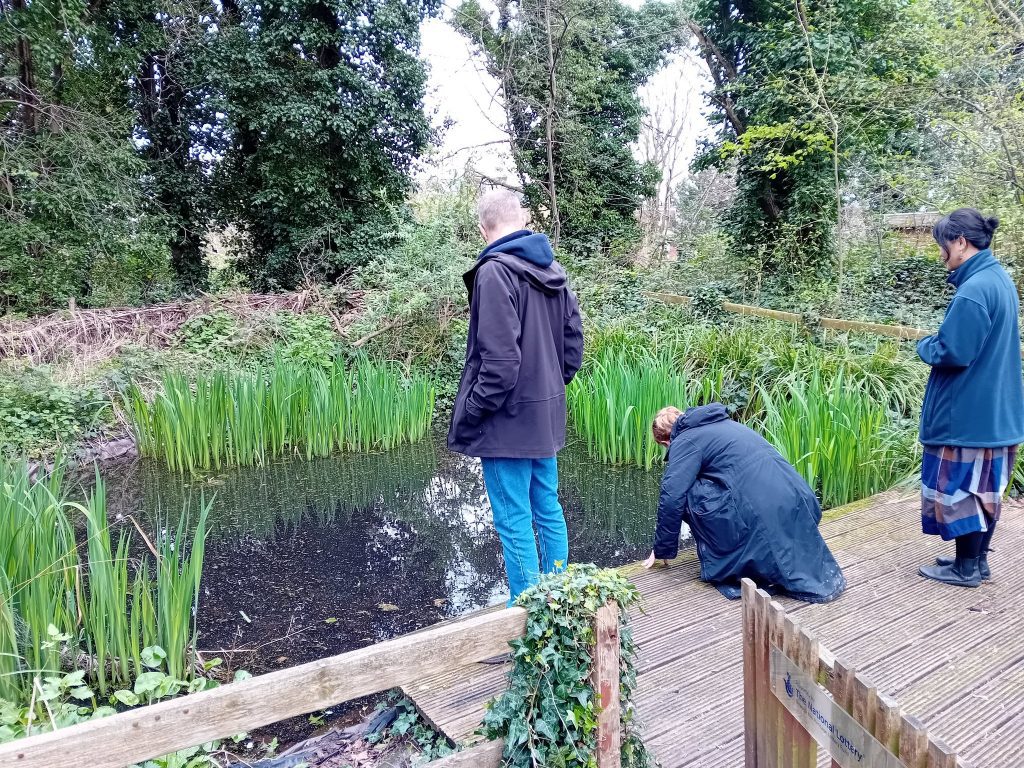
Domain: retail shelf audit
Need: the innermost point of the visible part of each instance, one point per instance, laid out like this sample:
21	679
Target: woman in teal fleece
972	419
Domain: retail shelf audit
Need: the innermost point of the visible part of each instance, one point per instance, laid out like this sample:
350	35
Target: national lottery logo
789	685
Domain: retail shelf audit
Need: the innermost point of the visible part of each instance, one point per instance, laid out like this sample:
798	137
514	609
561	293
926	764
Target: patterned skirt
962	488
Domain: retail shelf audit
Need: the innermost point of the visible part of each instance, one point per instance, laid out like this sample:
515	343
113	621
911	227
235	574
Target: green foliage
586	112
63	700
808	95
548	715
75	220
324	108
843	417
408	725
37	413
840	439
613	401
414	293
97	612
247	418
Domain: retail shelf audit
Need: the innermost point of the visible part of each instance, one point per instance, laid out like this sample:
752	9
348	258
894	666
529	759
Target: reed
90	604
246	418
838	436
178	574
613	401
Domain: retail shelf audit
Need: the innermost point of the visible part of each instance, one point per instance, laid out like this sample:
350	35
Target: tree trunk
556	224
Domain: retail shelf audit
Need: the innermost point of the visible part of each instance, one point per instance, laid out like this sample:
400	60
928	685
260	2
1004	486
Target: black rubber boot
983	568
964	572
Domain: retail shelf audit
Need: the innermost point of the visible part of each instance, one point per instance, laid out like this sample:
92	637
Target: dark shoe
983	568
962	573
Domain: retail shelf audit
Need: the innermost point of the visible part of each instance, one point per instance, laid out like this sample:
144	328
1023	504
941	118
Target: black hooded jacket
525	345
752	515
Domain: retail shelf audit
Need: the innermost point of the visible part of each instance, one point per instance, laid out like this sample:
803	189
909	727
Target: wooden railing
832	323
797	696
148	732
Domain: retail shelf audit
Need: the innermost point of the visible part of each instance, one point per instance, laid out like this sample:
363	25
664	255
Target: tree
324	117
75	223
569	73
156	57
804	92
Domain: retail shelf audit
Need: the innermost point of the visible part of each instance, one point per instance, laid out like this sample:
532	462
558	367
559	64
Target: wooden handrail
896	331
147	732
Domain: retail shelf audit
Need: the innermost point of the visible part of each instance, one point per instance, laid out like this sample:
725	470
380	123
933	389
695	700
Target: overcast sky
463	94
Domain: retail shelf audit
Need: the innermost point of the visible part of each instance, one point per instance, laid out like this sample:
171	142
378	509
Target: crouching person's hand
650	561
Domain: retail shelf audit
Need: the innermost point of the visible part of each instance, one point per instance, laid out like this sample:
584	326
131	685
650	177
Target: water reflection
309	558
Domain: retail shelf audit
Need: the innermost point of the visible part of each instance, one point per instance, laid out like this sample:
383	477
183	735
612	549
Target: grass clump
840	439
242	418
92	607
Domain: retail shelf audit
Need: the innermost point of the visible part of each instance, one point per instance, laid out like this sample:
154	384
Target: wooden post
750	702
940	755
887	723
913	743
782	727
606	684
865	698
762	690
841	689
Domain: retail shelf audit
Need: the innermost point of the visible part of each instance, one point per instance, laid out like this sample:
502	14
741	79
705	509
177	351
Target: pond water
311	558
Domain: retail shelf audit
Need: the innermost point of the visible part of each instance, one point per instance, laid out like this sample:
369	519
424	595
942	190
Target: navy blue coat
752	515
525	345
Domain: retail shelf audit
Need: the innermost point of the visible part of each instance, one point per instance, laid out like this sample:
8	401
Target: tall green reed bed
841	416
242	418
838	437
80	599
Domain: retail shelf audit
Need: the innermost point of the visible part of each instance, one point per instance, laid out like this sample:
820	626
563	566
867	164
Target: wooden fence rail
148	732
797	696
832	323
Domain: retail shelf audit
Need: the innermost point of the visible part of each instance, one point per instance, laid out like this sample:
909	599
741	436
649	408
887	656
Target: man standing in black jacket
525	345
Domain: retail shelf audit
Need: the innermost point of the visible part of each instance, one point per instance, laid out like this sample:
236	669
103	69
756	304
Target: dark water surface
311	558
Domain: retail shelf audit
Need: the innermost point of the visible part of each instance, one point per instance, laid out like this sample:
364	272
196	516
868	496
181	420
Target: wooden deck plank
952	657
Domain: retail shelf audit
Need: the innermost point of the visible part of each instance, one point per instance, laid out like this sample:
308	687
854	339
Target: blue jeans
524	497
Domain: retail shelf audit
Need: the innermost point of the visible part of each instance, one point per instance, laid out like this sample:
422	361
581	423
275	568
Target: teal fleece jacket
975	394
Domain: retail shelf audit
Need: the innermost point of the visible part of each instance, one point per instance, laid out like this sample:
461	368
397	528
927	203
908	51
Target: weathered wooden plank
486	755
148	732
605	675
766	748
840	685
749	700
785	728
865	698
940	755
887	722
832	323
913	743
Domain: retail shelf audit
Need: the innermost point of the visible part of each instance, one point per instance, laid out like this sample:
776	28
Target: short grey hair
499	207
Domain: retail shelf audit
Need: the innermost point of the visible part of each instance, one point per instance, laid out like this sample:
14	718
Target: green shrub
37	414
548	715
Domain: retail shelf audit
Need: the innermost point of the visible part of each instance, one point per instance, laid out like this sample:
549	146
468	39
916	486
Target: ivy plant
548	716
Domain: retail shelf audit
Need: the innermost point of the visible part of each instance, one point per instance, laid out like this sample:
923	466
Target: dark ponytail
967	223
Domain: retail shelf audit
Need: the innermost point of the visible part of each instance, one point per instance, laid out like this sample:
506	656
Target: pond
311	558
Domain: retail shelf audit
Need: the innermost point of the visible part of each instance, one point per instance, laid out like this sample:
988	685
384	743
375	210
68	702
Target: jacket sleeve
497	337
573	357
960	337
684	464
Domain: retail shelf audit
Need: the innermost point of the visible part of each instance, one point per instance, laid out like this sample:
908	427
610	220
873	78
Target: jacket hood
979	261
699	416
527	254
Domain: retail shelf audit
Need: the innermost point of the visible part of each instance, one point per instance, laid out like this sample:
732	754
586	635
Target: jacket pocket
721	526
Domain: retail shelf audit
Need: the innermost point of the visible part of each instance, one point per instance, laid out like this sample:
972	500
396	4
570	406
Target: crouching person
751	514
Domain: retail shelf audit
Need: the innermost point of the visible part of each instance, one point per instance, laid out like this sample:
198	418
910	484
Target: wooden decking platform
952	657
